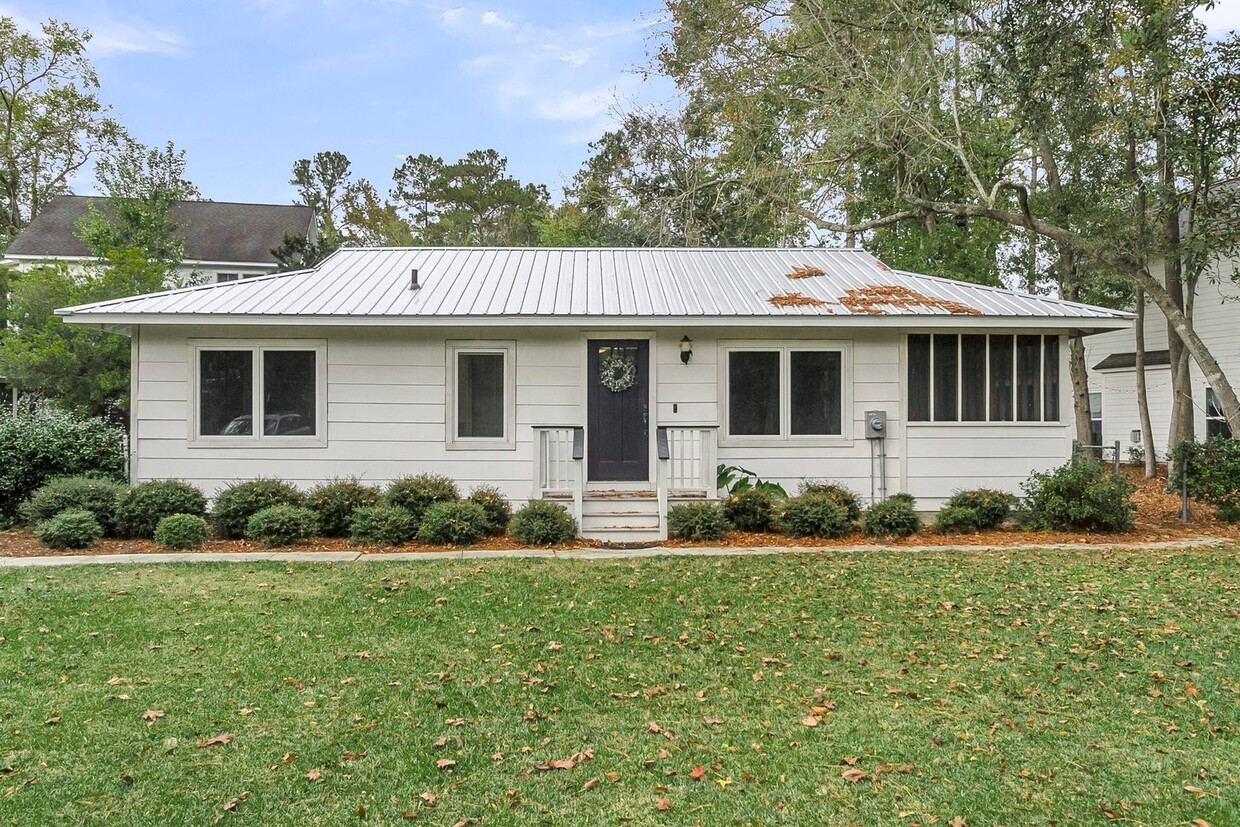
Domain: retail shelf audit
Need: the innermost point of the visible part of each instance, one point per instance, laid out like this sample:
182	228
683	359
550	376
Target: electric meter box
875	424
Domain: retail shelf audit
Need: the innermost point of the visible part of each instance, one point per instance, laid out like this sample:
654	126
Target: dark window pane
946	367
1001	378
1027	378
919	377
1216	423
815	391
480	395
973	378
1050	379
753	393
225	392
1095	419
289	379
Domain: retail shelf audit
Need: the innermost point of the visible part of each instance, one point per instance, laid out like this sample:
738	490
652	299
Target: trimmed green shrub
387	524
750	510
140	508
416	494
814	514
281	525
991	506
39	443
181	531
335	502
843	496
75	528
895	516
1213	473
77	493
496	506
542	523
698	521
957	519
236	504
458	523
1080	495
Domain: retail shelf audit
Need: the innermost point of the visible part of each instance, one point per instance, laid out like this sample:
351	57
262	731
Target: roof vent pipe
413	280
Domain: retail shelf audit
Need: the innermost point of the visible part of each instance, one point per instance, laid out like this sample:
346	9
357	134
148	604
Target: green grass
1017	689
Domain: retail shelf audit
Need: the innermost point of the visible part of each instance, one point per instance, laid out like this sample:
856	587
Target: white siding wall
1215	315
386	413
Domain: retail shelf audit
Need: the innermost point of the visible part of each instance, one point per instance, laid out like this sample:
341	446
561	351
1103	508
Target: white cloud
453	16
114	36
1223	18
495	20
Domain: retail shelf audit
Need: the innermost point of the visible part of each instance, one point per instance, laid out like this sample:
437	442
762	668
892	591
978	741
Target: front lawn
948	688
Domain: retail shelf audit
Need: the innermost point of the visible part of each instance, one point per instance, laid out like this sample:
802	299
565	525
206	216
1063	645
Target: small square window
481	391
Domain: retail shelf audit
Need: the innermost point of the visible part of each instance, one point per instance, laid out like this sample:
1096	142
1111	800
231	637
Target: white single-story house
614	380
1111	361
224	241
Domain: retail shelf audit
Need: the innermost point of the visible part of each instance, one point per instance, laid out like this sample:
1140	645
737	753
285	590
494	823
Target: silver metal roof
525	285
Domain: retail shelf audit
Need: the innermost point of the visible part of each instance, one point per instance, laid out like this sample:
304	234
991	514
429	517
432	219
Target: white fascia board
904	322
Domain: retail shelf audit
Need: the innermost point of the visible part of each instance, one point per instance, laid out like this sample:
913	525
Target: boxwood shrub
841	494
335	502
496	506
97	496
1080	495
697	521
457	523
181	531
542	523
382	524
236	504
1213	473
895	516
282	525
750	510
416	494
992	507
140	508
957	519
814	514
75	528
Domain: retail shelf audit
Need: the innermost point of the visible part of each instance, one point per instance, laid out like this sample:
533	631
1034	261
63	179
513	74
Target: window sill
1003	424
481	445
251	443
785	442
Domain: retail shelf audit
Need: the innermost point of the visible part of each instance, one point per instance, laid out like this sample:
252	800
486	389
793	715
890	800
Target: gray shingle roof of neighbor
213	230
775	285
1153	358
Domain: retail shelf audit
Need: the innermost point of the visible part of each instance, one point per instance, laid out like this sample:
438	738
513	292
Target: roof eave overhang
1074	325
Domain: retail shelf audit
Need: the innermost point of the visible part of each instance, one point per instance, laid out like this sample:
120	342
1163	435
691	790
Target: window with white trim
983	378
1095	418
279	385
784	392
1216	423
481	390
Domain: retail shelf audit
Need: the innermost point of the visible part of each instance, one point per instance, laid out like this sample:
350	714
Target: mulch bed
1157	521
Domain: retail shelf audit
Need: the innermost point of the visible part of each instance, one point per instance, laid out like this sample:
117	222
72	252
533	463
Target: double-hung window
1216	423
784	391
983	378
269	393
481	395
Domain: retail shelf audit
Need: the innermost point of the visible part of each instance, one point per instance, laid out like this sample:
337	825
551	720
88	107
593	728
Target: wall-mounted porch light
686	350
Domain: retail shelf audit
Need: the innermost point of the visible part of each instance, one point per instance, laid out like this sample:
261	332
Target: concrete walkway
569	554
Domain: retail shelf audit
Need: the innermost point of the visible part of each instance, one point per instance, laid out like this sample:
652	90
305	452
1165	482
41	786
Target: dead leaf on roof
806	271
884	299
795	300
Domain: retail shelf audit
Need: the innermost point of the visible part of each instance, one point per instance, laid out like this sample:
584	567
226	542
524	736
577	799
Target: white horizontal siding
947	458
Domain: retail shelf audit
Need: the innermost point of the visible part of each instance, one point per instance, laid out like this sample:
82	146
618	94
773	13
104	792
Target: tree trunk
1077	369
1143	400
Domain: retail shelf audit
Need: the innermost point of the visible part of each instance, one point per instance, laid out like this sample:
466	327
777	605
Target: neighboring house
1111	360
611	379
223	241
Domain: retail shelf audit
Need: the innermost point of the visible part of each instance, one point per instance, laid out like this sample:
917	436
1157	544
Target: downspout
135	351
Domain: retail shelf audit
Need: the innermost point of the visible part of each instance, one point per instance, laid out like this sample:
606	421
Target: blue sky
247	87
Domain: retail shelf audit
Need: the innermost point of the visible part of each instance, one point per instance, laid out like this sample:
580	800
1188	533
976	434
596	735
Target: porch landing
623	515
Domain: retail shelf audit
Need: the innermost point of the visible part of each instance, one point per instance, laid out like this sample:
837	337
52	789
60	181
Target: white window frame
256	349
987	422
785	435
503	347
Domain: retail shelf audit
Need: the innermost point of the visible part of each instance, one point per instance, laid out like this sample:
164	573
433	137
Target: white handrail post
661	491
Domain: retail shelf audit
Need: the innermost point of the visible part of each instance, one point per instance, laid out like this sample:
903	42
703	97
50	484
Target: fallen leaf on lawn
853	776
724	782
288	757
428	798
439	742
810	721
52	721
697	772
851	760
566	764
591	784
465	822
663	805
1196	791
708	719
958	821
1200	822
653	727
152	714
117	681
445	763
314	775
217	741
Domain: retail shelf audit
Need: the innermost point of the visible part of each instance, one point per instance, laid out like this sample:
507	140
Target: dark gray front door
618	410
